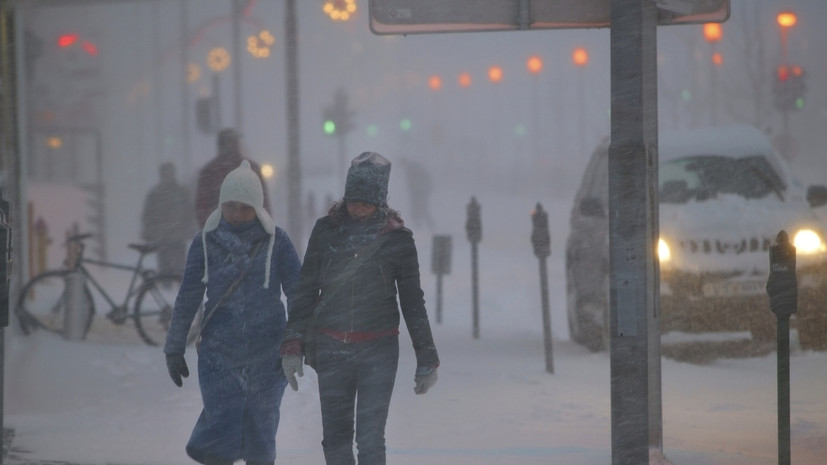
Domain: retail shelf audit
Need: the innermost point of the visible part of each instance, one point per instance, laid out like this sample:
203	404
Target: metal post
633	209
294	172
475	293
183	26
236	61
783	360
440	265
541	242
782	288
439	298
216	102
473	228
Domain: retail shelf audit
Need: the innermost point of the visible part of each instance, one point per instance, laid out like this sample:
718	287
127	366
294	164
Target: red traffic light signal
789	87
68	40
782	73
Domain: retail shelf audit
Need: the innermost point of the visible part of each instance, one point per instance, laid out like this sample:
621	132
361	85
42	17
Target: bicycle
43	300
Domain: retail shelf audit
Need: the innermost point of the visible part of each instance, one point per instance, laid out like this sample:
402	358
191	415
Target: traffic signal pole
633	226
294	171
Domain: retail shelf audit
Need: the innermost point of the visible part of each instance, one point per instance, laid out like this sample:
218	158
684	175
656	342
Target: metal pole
473	228
185	100
547	344
294	172
439	298
216	102
236	60
475	294
783	354
340	138
633	210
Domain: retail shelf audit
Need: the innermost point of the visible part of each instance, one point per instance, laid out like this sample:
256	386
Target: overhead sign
436	16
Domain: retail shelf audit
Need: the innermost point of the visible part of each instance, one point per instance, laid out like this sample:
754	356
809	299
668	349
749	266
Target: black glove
177	367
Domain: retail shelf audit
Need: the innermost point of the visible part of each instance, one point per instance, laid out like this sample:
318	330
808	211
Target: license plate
734	288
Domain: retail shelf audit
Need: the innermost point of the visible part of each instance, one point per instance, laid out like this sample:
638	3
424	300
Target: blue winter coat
239	365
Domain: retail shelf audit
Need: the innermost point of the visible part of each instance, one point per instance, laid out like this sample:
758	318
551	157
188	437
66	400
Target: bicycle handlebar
78	237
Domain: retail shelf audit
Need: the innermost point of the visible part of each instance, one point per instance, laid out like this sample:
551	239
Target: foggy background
528	133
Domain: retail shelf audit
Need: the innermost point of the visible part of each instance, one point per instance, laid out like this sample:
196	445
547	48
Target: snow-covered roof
733	140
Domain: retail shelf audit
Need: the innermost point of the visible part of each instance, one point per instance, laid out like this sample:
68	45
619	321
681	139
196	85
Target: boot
210	460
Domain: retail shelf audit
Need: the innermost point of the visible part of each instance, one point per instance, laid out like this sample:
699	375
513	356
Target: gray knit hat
242	185
367	179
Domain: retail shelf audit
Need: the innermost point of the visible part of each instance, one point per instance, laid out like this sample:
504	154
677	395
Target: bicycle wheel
153	310
42	303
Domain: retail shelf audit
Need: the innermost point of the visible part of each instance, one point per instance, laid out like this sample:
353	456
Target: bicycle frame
137	270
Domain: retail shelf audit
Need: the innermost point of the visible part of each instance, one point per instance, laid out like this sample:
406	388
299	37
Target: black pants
358	377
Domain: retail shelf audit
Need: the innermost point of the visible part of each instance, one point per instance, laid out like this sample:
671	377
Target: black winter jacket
367	302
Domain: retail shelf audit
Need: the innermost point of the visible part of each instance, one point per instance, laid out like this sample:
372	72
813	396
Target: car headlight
664	255
807	241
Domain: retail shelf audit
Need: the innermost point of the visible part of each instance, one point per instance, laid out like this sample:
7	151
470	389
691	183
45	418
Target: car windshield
702	177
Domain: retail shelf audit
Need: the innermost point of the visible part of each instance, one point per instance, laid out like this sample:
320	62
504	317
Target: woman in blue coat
238	357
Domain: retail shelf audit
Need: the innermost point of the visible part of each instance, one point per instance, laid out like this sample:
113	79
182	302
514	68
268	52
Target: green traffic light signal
405	124
329	127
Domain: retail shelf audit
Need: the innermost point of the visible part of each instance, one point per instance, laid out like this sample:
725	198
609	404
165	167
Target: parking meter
473	225
440	265
541	241
5	259
782	285
540	237
441	255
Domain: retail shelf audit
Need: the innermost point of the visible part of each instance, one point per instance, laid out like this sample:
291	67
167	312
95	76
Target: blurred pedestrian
420	188
167	220
243	262
345	316
213	173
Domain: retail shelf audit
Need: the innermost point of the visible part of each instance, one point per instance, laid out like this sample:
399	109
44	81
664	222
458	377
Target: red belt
349	337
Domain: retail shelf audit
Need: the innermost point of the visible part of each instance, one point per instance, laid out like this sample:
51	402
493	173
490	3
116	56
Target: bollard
541	242
440	265
473	228
782	288
77	307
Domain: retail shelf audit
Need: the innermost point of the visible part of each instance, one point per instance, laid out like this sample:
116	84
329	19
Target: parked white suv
724	196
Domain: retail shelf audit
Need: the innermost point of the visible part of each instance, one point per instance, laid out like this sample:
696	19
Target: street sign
437	16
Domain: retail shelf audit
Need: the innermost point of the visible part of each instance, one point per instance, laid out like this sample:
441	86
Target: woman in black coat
354	314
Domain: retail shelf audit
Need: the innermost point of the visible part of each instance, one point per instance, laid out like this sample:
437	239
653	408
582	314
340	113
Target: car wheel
763	327
812	320
583	329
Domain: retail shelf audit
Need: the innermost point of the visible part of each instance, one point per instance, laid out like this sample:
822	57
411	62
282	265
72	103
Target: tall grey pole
183	27
633	226
157	120
236	62
294	172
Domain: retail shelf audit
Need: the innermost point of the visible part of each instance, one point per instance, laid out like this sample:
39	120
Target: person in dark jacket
243	262
357	327
212	175
167	221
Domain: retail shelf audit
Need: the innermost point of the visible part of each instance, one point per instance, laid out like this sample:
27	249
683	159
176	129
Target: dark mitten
177	367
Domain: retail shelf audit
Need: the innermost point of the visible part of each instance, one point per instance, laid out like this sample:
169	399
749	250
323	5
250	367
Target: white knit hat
242	185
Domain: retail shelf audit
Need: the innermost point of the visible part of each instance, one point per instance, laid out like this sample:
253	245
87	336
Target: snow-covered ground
109	400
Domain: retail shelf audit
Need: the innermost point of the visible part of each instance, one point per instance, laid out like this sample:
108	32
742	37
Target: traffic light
204	115
338	117
789	87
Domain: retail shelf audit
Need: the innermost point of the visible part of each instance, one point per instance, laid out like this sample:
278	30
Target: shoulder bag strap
230	289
